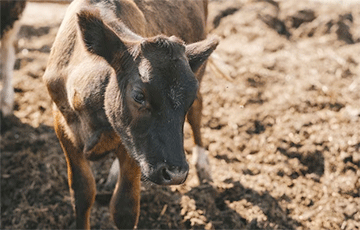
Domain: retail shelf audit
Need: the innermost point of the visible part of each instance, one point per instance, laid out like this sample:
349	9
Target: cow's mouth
165	174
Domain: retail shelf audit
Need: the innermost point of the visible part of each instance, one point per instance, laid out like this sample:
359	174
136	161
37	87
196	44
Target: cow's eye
139	98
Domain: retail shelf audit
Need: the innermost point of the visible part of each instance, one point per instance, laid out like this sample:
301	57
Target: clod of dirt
301	17
276	24
30	31
343	28
223	14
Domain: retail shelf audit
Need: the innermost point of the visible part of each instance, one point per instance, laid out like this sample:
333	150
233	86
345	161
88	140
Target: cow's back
184	19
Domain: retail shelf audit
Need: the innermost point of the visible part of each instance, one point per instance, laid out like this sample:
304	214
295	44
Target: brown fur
11	11
81	70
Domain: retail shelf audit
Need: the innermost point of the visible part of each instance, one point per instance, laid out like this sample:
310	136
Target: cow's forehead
171	46
171	80
164	70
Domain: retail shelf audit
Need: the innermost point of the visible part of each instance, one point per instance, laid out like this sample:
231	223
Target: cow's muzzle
166	174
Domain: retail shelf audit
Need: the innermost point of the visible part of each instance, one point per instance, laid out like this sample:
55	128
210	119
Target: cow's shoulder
76	79
69	59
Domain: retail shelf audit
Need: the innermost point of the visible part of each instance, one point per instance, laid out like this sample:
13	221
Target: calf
120	84
10	14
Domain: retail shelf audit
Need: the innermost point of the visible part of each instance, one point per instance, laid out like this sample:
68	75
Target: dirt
282	130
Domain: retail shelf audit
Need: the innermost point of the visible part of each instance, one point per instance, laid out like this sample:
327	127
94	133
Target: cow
124	75
11	12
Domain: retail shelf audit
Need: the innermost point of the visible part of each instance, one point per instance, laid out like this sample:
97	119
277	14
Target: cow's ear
199	52
98	37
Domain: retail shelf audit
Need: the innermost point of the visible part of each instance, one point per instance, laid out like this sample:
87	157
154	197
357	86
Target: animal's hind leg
113	175
8	60
81	180
200	158
125	202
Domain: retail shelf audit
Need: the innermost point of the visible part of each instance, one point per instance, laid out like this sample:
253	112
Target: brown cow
120	84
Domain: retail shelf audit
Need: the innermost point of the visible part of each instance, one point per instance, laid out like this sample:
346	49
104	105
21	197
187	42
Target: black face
155	103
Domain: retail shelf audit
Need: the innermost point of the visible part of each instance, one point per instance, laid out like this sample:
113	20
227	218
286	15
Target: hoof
113	176
7	108
201	161
7	101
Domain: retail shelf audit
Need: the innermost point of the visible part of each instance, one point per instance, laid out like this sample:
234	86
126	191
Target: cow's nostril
172	168
166	174
170	174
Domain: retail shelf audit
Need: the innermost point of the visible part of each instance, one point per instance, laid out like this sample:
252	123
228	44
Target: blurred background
282	126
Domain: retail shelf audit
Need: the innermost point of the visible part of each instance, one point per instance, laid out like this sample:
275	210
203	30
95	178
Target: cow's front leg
81	180
125	202
200	157
83	190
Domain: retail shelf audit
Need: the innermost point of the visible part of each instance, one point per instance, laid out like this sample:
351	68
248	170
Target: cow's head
150	93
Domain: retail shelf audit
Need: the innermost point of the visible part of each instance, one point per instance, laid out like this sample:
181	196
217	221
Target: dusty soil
282	131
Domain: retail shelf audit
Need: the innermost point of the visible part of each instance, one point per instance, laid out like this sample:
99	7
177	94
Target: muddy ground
282	131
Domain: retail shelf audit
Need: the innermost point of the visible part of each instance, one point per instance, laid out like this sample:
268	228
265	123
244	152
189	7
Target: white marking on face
144	70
